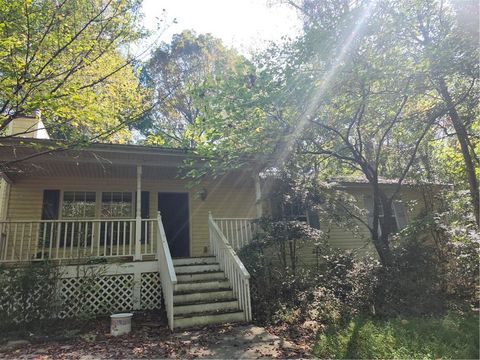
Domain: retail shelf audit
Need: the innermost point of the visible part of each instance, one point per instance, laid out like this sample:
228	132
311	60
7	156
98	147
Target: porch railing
37	240
238	231
168	277
232	266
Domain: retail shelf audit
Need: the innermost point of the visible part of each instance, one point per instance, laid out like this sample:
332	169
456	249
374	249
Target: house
126	205
338	223
122	209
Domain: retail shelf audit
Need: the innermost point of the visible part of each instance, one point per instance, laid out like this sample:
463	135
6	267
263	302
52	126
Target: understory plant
29	293
434	270
286	288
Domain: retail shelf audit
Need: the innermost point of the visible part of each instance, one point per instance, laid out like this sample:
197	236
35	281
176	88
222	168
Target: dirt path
153	340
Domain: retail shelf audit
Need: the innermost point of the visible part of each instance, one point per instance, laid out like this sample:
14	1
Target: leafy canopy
70	59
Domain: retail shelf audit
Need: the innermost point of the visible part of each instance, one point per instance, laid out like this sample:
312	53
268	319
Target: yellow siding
229	197
4	190
360	241
19	125
344	238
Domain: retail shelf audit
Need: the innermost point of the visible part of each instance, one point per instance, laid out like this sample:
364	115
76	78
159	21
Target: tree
175	71
70	60
350	93
435	33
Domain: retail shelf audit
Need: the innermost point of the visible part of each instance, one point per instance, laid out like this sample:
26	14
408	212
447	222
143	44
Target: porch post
258	196
138	217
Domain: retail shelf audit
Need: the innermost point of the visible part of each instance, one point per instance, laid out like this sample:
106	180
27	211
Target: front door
174	210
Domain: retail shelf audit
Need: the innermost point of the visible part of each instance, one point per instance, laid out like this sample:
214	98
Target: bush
434	270
283	290
411	285
28	293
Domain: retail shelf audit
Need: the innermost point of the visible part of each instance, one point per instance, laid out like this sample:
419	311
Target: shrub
285	290
434	269
435	266
28	293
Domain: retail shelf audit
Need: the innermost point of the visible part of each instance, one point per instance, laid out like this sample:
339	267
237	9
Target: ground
450	336
149	339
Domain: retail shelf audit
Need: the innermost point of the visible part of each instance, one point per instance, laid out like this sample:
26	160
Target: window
117	204
296	210
78	204
398	214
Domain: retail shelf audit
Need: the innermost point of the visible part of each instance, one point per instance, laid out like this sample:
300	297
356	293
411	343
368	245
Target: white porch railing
168	277
37	240
232	266
238	231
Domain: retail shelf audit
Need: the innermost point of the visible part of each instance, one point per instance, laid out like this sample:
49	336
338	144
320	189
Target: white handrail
233	267
168	277
73	239
238	231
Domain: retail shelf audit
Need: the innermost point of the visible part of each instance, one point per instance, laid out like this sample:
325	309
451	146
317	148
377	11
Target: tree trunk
462	138
380	240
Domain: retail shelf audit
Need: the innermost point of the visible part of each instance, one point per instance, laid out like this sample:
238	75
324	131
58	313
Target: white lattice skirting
86	290
106	289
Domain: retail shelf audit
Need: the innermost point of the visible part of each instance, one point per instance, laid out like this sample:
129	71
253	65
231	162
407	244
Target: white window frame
62	204
132	210
398	211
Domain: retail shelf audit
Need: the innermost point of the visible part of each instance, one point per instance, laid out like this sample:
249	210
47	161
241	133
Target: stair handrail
233	267
168	277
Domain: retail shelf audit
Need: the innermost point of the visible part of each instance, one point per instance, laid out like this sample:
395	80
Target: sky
246	25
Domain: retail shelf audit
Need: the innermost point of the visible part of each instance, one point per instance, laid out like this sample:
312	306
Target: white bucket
121	324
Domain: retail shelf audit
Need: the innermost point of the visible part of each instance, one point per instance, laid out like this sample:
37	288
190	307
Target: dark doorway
174	210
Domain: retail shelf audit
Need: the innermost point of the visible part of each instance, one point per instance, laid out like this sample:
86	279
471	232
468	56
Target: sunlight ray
337	63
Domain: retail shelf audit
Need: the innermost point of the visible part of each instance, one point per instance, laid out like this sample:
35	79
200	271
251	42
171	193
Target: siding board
226	197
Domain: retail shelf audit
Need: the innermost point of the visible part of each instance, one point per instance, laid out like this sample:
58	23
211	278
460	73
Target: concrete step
209	275
191	297
195	260
207	318
182	269
202	285
196	307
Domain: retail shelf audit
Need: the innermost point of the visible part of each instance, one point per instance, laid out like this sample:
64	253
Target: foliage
357	93
175	72
435	263
70	60
88	287
434	269
287	289
412	284
453	336
28	293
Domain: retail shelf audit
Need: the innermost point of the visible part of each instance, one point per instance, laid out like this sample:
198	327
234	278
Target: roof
362	180
20	141
94	160
32	157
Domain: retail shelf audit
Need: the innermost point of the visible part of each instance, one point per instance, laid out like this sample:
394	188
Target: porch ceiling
98	161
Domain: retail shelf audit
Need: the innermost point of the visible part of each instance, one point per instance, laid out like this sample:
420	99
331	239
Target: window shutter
368	202
145	210
51	204
145	213
313	219
400	214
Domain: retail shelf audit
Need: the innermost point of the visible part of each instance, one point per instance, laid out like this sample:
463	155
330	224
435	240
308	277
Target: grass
453	336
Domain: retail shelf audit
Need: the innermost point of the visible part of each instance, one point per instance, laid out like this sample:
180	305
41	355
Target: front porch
131	270
80	241
102	206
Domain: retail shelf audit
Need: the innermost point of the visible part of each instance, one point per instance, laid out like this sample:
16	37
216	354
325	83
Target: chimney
28	126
